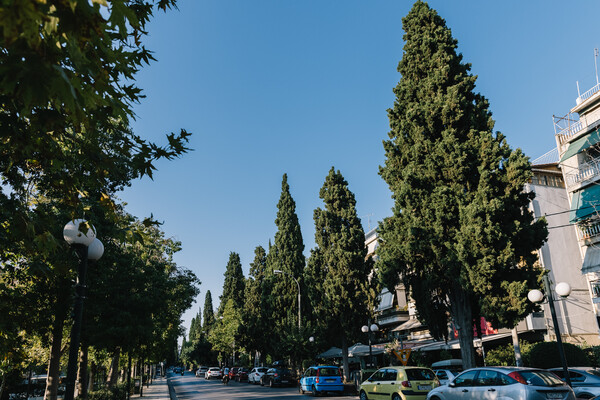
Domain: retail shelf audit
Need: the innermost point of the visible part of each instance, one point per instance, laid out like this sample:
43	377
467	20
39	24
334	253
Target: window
378	376
329	372
488	378
465	379
420	374
390	375
441	374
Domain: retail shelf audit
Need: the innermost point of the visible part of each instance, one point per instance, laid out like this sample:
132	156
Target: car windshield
541	378
420	374
594	372
329	371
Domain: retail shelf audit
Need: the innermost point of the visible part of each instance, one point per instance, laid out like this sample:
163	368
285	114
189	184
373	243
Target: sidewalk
158	390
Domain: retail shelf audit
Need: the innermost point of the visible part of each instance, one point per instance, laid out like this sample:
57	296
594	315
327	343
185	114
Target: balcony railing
566	127
584	172
590	92
588	230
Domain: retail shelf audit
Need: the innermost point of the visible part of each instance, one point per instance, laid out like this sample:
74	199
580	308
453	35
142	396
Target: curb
172	393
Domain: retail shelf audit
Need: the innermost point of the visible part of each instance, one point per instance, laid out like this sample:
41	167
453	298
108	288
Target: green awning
585	203
581	144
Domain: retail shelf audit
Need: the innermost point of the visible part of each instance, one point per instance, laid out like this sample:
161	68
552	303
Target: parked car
242	375
278	377
201	372
585	381
214	372
255	374
445	375
398	383
321	379
504	382
446	370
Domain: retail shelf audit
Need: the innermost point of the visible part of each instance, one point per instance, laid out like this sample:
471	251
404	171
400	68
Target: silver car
584	380
492	383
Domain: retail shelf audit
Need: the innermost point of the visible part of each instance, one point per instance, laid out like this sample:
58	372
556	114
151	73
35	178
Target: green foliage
461	238
545	355
505	355
286	255
338	265
223	334
209	314
593	355
233	286
116	392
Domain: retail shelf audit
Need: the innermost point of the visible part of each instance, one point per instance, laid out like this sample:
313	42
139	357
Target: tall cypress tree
461	236
286	255
340	261
209	314
233	286
254	319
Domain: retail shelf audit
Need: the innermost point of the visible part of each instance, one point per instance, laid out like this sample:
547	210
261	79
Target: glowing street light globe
535	296
95	250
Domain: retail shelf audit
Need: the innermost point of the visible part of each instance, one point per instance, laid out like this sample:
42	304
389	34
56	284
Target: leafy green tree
461	236
225	331
233	286
286	255
340	260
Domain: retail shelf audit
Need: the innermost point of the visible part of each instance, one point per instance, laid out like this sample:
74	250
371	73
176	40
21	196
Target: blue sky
280	86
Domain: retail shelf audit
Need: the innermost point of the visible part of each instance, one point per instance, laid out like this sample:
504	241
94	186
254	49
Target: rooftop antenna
368	221
596	64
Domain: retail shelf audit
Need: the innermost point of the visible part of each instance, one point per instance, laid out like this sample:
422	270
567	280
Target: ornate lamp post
536	296
87	247
277	271
368	329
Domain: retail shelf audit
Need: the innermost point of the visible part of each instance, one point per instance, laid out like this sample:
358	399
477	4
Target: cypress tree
254	319
233	286
461	236
340	261
209	314
286	255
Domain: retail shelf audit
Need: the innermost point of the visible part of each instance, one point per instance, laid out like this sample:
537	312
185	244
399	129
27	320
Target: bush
545	355
505	355
117	392
593	355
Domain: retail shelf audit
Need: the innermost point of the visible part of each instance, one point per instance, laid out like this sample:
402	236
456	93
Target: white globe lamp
75	232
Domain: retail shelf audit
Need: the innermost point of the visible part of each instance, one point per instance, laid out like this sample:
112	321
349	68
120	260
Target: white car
256	373
214	372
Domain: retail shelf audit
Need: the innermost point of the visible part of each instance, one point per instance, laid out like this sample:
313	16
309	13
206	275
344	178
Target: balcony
589	230
570	125
589	171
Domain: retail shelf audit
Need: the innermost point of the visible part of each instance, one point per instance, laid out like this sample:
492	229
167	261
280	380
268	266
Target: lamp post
368	329
536	296
278	271
87	247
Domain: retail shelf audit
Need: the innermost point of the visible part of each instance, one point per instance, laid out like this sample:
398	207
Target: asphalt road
188	387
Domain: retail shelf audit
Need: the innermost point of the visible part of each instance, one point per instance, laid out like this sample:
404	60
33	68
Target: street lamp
278	271
536	296
368	329
88	247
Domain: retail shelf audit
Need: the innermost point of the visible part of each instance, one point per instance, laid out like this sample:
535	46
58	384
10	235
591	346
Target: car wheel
262	382
271	383
396	396
363	395
584	396
300	390
314	392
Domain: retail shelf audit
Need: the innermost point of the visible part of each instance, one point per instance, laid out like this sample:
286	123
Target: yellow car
399	383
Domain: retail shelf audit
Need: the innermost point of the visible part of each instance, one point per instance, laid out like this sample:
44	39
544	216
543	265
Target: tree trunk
128	375
113	375
3	385
517	348
141	362
92	376
61	308
345	363
82	376
460	306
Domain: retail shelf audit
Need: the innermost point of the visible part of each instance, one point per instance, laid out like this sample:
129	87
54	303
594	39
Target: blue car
321	379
